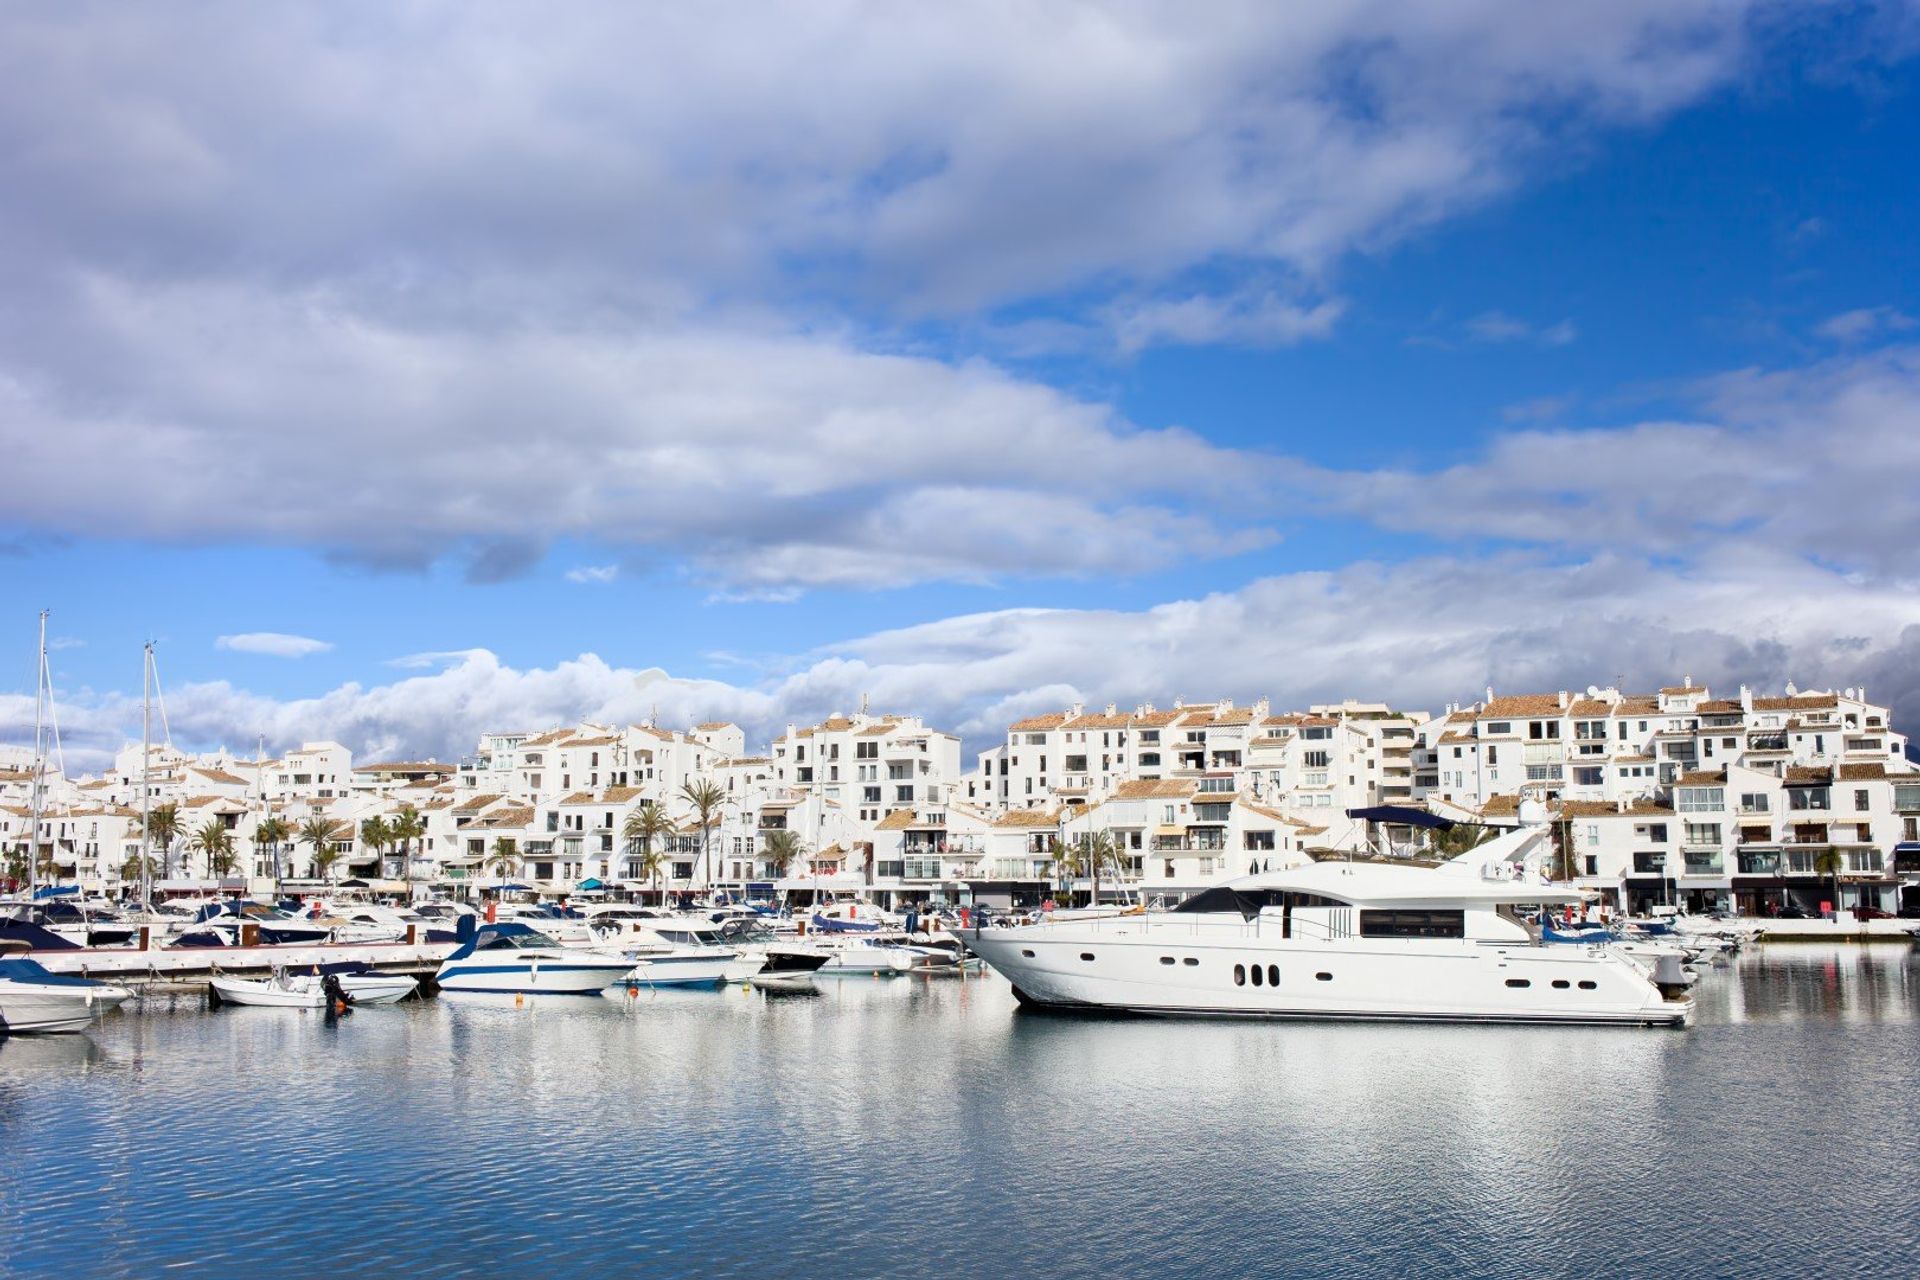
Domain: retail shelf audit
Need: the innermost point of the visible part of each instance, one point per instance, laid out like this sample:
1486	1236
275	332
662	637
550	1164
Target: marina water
920	1126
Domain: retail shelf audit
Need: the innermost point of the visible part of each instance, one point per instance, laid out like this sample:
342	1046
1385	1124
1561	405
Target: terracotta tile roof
1703	778
1034	724
1154	789
1637	706
1099	721
620	795
877	730
1523	704
1589	707
711	725
1814	775
1799	702
590	742
546	739
1153	719
1450	736
1719	706
1027	818
898	820
657	732
835	724
405	766
218	775
580	797
511	816
476	804
1682	690
1862	772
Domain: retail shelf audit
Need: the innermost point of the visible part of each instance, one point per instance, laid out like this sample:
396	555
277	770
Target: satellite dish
1532	812
1593	691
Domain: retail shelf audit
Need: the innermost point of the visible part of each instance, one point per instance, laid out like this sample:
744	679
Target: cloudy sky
408	369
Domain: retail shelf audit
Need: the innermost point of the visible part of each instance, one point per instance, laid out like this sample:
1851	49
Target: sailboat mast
146	769
39	759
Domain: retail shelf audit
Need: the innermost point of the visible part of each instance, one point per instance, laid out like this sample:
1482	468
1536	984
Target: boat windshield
528	941
1250	902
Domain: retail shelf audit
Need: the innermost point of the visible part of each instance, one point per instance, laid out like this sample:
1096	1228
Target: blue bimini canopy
1404	816
46	891
591	882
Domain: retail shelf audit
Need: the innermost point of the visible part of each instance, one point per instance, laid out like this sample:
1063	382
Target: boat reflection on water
1799	981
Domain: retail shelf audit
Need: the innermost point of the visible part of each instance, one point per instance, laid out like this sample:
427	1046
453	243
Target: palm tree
1830	862
16	864
163	824
645	825
406	827
132	869
1069	860
504	856
216	842
318	832
323	860
651	865
1458	838
780	848
375	834
269	834
1101	848
706	798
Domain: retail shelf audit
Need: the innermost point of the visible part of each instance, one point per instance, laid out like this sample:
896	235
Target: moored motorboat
515	959
34	1000
309	990
1342	940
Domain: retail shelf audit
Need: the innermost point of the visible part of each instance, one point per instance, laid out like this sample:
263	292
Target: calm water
922	1127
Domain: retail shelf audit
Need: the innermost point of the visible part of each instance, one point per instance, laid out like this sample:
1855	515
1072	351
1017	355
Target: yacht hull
27	1008
554	977
1178	969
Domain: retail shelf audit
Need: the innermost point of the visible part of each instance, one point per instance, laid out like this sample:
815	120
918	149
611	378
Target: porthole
1086	955
1518	982
1166	959
1239	975
1589	986
1323	977
1561	984
1273	975
1027	954
1259	978
1190	960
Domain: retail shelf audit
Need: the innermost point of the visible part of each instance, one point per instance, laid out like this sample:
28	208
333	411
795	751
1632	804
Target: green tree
215	842
1830	863
163	827
318	832
1069	860
780	849
504	857
406	827
269	834
1459	838
376	835
706	798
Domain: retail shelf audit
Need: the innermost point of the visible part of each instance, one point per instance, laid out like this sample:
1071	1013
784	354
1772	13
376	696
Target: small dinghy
309	991
785	982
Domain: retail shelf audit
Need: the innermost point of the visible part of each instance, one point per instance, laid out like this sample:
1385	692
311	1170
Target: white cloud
771	461
272	643
1497	326
1253	319
1817	461
1857	326
593	574
1417	634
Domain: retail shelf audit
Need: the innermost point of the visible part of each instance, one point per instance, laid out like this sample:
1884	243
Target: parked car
1871	913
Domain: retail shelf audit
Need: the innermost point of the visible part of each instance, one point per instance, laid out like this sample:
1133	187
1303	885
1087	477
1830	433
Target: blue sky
1387	352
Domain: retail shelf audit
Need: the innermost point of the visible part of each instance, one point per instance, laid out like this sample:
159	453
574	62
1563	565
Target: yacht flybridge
1343	940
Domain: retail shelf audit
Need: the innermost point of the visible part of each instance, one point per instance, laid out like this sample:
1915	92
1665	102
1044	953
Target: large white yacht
1341	940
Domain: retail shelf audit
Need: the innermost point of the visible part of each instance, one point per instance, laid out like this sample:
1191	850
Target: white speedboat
852	956
34	1000
308	991
688	953
515	959
1341	940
